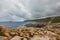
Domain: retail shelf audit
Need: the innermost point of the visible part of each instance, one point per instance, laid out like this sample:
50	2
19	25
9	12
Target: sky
20	10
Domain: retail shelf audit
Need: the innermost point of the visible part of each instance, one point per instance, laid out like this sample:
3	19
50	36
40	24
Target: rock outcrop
30	33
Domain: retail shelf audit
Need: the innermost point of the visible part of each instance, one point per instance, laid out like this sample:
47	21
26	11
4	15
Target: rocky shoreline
50	32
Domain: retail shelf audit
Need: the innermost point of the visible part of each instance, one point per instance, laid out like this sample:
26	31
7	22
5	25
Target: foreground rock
31	33
16	38
3	38
43	37
46	35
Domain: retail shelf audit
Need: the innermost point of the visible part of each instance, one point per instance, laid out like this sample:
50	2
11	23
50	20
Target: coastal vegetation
56	19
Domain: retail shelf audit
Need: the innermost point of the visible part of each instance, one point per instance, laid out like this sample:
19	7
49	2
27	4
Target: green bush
1	33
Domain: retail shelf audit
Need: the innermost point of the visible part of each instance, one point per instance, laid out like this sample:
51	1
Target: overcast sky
19	10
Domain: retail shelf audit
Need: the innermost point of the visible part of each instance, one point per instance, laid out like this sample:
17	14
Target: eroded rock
16	38
3	38
43	37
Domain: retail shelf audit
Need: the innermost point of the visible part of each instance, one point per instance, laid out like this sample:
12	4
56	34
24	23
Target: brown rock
24	38
3	38
6	34
16	38
42	37
12	34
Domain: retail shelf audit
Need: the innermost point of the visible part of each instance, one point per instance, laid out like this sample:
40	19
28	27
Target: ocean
16	24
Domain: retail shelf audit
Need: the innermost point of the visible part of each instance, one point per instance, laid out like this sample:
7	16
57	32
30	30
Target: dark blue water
16	24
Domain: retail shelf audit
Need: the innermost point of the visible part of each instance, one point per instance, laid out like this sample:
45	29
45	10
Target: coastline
31	33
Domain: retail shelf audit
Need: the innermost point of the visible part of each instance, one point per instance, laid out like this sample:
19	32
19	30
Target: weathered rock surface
42	37
31	33
3	38
16	38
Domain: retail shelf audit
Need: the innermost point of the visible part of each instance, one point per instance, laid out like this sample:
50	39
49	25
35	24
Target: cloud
45	8
28	9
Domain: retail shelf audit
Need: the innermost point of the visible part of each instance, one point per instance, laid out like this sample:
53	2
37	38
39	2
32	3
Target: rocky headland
42	32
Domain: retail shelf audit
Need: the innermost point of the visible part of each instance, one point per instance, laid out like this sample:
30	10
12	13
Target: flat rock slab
16	38
37	37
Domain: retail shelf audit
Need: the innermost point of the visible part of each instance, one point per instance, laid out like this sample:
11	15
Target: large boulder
16	38
42	37
12	34
47	35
